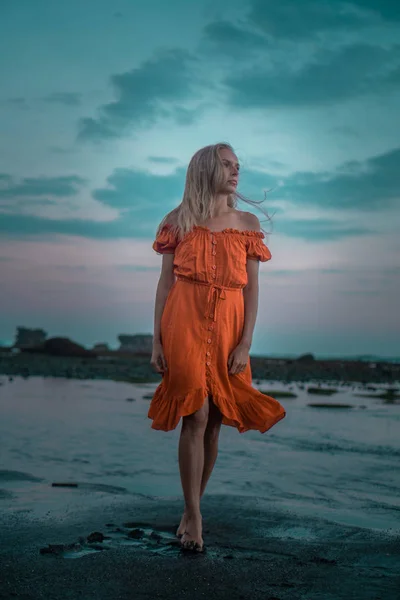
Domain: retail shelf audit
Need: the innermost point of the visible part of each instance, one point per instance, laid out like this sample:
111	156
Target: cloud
165	160
157	88
127	226
232	40
19	226
371	185
387	9
331	77
66	98
63	186
132	189
293	20
4	177
143	198
18	102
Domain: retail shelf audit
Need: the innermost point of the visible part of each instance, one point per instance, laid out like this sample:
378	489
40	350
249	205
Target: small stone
96	536
136	534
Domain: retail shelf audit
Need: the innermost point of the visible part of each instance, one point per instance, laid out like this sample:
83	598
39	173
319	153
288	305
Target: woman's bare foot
192	537
182	526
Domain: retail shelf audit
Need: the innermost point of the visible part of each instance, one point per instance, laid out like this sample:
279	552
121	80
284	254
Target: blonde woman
205	312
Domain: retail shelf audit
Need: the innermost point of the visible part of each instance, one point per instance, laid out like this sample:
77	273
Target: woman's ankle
193	513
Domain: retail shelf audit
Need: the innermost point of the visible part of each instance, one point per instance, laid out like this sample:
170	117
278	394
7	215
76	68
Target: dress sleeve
165	242
256	249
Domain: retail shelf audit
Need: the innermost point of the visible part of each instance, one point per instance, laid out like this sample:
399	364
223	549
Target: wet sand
253	550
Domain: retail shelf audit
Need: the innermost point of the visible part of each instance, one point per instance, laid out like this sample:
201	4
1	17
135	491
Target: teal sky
103	104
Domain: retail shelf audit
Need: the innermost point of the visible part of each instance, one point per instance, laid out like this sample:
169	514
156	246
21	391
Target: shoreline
136	368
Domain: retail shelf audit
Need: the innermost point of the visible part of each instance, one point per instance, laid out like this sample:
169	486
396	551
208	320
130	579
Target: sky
102	105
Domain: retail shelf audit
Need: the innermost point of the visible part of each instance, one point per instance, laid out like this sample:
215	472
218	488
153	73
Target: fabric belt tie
216	292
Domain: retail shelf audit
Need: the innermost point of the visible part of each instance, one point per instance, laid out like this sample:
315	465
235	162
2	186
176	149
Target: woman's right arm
165	282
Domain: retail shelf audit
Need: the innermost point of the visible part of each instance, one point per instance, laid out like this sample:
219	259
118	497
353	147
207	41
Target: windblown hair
204	177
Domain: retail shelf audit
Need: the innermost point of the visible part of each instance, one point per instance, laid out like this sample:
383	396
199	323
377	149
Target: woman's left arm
238	359
250	296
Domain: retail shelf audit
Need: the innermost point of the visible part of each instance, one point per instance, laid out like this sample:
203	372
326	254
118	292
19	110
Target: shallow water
339	464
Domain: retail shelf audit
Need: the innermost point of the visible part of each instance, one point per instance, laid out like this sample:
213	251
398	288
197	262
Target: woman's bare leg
211	437
191	465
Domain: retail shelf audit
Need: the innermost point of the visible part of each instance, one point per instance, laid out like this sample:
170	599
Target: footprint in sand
138	535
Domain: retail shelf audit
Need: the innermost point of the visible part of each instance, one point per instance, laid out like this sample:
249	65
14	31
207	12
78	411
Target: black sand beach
253	550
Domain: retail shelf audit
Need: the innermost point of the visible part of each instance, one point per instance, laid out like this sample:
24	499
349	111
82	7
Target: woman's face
230	165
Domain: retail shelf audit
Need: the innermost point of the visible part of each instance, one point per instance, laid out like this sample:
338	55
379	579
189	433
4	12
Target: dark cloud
63	186
66	98
20	226
387	9
293	20
60	187
130	189
18	102
230	39
143	199
166	160
331	77
371	185
156	88
5	178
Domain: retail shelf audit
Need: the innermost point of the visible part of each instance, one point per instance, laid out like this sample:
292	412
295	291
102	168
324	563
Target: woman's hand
157	360
238	359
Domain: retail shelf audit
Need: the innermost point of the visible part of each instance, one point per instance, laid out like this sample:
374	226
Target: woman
205	312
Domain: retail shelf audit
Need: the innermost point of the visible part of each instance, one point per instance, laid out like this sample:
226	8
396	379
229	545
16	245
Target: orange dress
202	323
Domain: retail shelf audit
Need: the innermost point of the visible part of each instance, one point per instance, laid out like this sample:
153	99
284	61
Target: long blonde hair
204	177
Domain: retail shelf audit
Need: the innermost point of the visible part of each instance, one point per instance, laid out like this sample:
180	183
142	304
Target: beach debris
59	484
329	405
130	399
155	536
147	396
136	534
321	391
96	536
390	396
60	548
279	393
324	561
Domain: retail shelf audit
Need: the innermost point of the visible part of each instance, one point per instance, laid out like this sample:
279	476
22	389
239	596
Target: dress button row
208	353
209	341
214	242
208	364
214	267
214	253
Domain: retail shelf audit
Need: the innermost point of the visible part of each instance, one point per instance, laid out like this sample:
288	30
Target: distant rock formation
101	347
60	347
306	358
29	338
138	344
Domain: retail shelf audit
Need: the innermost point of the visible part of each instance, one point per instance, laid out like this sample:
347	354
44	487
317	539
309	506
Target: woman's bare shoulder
249	221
